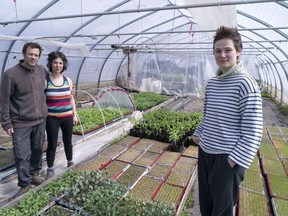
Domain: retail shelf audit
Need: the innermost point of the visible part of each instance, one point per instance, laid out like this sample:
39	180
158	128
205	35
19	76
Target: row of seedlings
127	164
276	171
253	194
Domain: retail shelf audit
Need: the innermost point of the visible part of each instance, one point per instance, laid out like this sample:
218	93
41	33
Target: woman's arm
75	118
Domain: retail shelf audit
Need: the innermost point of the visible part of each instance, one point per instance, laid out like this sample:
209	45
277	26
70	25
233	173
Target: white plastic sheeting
175	33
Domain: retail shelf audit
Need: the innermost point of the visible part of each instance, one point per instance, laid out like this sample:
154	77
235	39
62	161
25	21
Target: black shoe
70	163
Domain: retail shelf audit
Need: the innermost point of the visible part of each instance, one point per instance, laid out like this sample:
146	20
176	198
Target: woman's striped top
58	99
232	122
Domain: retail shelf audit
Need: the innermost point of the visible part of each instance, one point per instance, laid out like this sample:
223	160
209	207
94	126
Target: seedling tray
186	164
144	144
252	203
180	179
169	158
130	155
253	181
191	151
147	159
170	193
146	187
130	176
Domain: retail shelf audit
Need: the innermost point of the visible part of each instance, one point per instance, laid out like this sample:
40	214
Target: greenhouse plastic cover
146	45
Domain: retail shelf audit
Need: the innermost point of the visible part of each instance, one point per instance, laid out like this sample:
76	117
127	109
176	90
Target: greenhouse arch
98	38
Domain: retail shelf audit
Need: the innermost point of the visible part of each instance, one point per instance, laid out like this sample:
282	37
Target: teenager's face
31	57
225	54
57	65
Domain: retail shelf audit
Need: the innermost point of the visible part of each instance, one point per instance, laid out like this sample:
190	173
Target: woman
61	109
230	131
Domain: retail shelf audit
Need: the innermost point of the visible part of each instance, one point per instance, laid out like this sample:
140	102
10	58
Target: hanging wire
16	11
81	11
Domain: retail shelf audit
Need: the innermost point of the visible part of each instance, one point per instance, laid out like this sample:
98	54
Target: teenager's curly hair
229	33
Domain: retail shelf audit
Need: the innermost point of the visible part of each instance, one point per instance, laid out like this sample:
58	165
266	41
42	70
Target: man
23	114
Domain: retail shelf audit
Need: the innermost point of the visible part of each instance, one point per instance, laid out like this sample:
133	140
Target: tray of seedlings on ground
131	175
280	206
255	165
114	150
114	168
147	159
84	193
281	147
183	172
178	178
186	164
94	164
171	194
251	203
273	167
159	171
278	186
144	144
253	196
146	187
169	158
285	164
191	151
253	181
130	155
284	132
128	141
267	149
158	147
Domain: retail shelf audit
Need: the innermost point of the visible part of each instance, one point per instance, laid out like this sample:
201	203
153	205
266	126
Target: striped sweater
232	122
58	99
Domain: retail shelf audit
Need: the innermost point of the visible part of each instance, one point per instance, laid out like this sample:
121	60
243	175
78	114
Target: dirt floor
271	117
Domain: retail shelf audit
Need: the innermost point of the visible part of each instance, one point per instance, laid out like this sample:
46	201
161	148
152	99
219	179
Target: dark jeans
27	147
218	184
52	129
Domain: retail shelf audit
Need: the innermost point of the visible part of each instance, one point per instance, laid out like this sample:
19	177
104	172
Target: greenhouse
140	72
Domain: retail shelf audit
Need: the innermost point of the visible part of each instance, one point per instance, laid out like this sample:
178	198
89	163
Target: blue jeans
27	147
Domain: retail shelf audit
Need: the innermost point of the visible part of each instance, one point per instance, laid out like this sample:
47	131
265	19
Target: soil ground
271	117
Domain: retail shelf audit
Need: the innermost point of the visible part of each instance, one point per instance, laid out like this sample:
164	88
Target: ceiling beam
172	7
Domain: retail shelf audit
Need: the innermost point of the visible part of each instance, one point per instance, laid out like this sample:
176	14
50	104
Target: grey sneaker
70	163
50	173
37	179
22	191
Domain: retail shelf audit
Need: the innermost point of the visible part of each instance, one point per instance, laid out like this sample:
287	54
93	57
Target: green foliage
175	124
144	207
147	100
91	118
283	109
266	94
91	191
